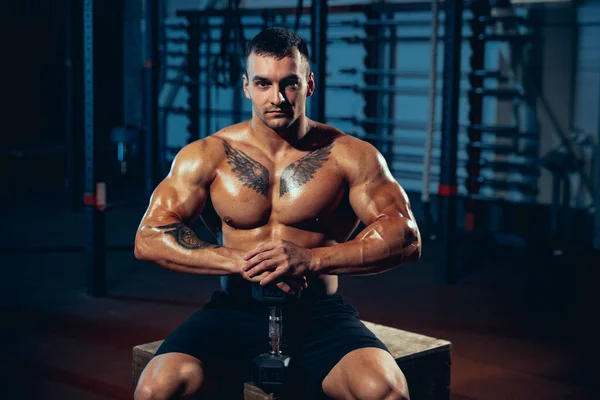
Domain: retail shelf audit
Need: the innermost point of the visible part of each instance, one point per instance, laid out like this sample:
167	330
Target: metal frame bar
449	144
95	218
192	69
597	196
354	8
477	63
71	186
150	76
319	10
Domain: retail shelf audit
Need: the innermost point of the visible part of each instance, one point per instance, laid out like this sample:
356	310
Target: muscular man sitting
283	194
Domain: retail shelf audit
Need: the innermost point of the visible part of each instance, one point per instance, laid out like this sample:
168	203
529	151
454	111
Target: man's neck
277	141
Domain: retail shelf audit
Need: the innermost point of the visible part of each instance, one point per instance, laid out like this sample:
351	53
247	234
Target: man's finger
258	258
266	265
259	249
257	278
272	276
285	287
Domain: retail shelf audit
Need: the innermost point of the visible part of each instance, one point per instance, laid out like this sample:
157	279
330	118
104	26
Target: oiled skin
280	176
285	193
210	178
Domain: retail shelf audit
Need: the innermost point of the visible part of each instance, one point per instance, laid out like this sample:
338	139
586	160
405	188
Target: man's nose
277	97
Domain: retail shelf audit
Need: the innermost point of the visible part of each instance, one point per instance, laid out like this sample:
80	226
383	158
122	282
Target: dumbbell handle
275	329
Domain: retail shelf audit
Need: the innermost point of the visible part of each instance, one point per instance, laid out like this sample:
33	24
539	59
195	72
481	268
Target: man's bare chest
249	192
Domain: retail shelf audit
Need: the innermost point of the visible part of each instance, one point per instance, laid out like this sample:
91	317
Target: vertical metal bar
433	78
477	63
149	94
371	61
319	55
207	76
95	218
391	98
193	72
158	80
448	188
597	196
237	87
70	183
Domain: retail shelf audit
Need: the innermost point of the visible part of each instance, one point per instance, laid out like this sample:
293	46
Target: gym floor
518	321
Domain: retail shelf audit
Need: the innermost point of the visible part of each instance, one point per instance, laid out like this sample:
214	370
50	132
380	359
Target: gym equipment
269	370
126	139
429	222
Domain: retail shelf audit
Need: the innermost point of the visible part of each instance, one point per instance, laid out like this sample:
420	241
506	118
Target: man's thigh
224	340
332	331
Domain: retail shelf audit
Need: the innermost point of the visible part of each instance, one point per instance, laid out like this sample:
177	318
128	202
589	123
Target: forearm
383	245
176	247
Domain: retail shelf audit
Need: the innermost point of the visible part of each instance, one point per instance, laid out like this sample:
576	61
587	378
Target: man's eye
262	84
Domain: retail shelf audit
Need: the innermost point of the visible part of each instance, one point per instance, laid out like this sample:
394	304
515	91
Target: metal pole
597	196
149	93
70	182
479	9
158	79
391	98
193	72
207	78
94	217
372	60
319	55
448	188
238	87
429	222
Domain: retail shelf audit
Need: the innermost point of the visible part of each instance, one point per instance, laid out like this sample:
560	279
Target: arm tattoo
251	173
300	172
185	236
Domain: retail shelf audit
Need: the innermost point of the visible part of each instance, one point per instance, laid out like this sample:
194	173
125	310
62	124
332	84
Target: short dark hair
278	43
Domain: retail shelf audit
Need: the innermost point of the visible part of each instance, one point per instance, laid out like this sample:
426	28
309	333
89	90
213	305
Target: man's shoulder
347	145
212	145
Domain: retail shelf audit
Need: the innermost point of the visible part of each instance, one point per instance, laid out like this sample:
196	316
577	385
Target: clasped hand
281	262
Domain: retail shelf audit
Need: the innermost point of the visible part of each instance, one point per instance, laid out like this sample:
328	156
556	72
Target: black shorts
226	334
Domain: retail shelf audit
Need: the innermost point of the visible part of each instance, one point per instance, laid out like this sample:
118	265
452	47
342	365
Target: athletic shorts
226	334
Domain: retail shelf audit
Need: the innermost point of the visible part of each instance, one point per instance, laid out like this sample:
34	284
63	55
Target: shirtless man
283	194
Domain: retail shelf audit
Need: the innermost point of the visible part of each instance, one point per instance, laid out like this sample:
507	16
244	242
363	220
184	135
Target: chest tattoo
251	173
301	172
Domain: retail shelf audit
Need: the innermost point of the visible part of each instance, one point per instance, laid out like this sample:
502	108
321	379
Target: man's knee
170	379
148	391
379	387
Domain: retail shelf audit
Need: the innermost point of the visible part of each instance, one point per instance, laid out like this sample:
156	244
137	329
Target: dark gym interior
491	125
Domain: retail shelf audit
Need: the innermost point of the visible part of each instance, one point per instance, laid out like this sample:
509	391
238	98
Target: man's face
278	88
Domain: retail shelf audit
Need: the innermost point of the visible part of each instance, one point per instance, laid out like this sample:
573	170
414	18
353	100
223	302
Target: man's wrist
316	260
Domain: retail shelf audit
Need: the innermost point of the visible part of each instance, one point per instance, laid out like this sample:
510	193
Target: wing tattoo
301	172
251	173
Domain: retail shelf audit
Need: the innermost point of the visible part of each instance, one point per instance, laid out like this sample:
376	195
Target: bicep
174	200
376	199
374	192
181	196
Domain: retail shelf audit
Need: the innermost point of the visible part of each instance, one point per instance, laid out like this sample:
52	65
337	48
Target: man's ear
246	91
310	84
